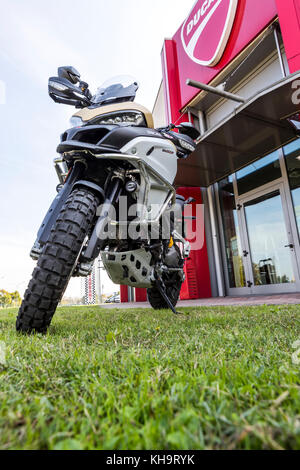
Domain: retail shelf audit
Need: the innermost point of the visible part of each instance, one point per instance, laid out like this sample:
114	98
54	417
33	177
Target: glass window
233	248
292	158
268	240
257	174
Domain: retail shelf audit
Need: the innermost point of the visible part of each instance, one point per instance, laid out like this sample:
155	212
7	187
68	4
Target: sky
101	39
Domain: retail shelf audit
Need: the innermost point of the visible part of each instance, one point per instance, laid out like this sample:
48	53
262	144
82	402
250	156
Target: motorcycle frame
94	248
74	178
144	170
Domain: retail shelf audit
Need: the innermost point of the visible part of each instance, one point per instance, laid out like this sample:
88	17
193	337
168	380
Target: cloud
34	47
2	92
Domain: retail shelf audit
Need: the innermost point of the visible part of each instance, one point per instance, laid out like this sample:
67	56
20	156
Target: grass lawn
213	378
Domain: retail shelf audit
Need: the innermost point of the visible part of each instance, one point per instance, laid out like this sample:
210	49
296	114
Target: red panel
252	16
124	294
140	295
197	266
294	64
197	284
171	83
289	18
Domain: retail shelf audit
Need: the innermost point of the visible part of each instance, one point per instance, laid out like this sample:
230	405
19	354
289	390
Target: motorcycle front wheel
57	262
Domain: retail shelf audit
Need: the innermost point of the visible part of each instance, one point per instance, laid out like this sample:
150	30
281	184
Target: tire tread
56	263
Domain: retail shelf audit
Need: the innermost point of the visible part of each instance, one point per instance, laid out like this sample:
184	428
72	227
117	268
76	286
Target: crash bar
216	91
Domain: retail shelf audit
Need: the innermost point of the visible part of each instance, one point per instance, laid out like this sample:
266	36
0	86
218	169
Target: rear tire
173	283
158	302
57	261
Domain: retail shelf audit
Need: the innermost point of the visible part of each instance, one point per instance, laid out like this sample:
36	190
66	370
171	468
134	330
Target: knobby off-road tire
57	261
173	285
158	302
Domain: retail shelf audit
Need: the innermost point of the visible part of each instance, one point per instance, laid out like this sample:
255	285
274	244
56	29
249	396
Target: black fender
72	181
90	185
57	204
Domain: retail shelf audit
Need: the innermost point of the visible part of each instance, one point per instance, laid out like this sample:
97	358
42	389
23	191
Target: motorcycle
115	199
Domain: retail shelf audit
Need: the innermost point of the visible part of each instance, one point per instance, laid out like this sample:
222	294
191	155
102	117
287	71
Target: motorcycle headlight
76	121
125	118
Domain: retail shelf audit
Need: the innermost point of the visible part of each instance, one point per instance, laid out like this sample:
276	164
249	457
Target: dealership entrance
236	77
258	224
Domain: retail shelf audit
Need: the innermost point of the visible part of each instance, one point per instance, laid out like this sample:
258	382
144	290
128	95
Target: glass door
270	263
235	274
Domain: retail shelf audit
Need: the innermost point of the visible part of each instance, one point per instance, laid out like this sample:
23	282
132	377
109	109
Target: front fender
58	202
90	185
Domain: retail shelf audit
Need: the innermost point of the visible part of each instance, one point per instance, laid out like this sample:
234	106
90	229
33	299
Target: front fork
96	243
74	178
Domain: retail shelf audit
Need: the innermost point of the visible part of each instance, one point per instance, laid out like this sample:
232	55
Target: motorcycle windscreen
263	124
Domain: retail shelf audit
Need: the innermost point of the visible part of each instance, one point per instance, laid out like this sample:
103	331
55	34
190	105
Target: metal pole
99	281
216	91
215	238
202	122
279	52
130	294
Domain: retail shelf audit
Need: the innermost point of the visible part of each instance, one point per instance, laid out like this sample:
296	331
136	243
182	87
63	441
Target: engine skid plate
131	268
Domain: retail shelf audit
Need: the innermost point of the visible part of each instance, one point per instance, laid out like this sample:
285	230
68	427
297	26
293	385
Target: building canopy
254	129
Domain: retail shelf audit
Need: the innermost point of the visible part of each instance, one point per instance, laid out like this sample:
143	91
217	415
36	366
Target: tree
16	298
9	298
5	298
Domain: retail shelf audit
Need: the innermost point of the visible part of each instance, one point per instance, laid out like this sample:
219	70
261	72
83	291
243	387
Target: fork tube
96	244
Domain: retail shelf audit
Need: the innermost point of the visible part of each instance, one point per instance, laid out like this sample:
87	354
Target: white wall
265	74
159	114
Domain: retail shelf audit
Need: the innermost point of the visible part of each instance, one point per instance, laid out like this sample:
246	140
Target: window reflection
271	258
257	174
233	249
292	158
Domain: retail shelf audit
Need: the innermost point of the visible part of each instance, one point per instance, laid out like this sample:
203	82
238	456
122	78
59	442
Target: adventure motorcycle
111	156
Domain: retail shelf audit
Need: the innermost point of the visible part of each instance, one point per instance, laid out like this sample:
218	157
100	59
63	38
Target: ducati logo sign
206	31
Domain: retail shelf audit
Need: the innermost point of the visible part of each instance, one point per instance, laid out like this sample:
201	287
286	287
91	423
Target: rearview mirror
188	129
69	73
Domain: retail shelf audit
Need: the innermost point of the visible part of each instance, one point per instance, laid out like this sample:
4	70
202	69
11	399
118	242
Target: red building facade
246	158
